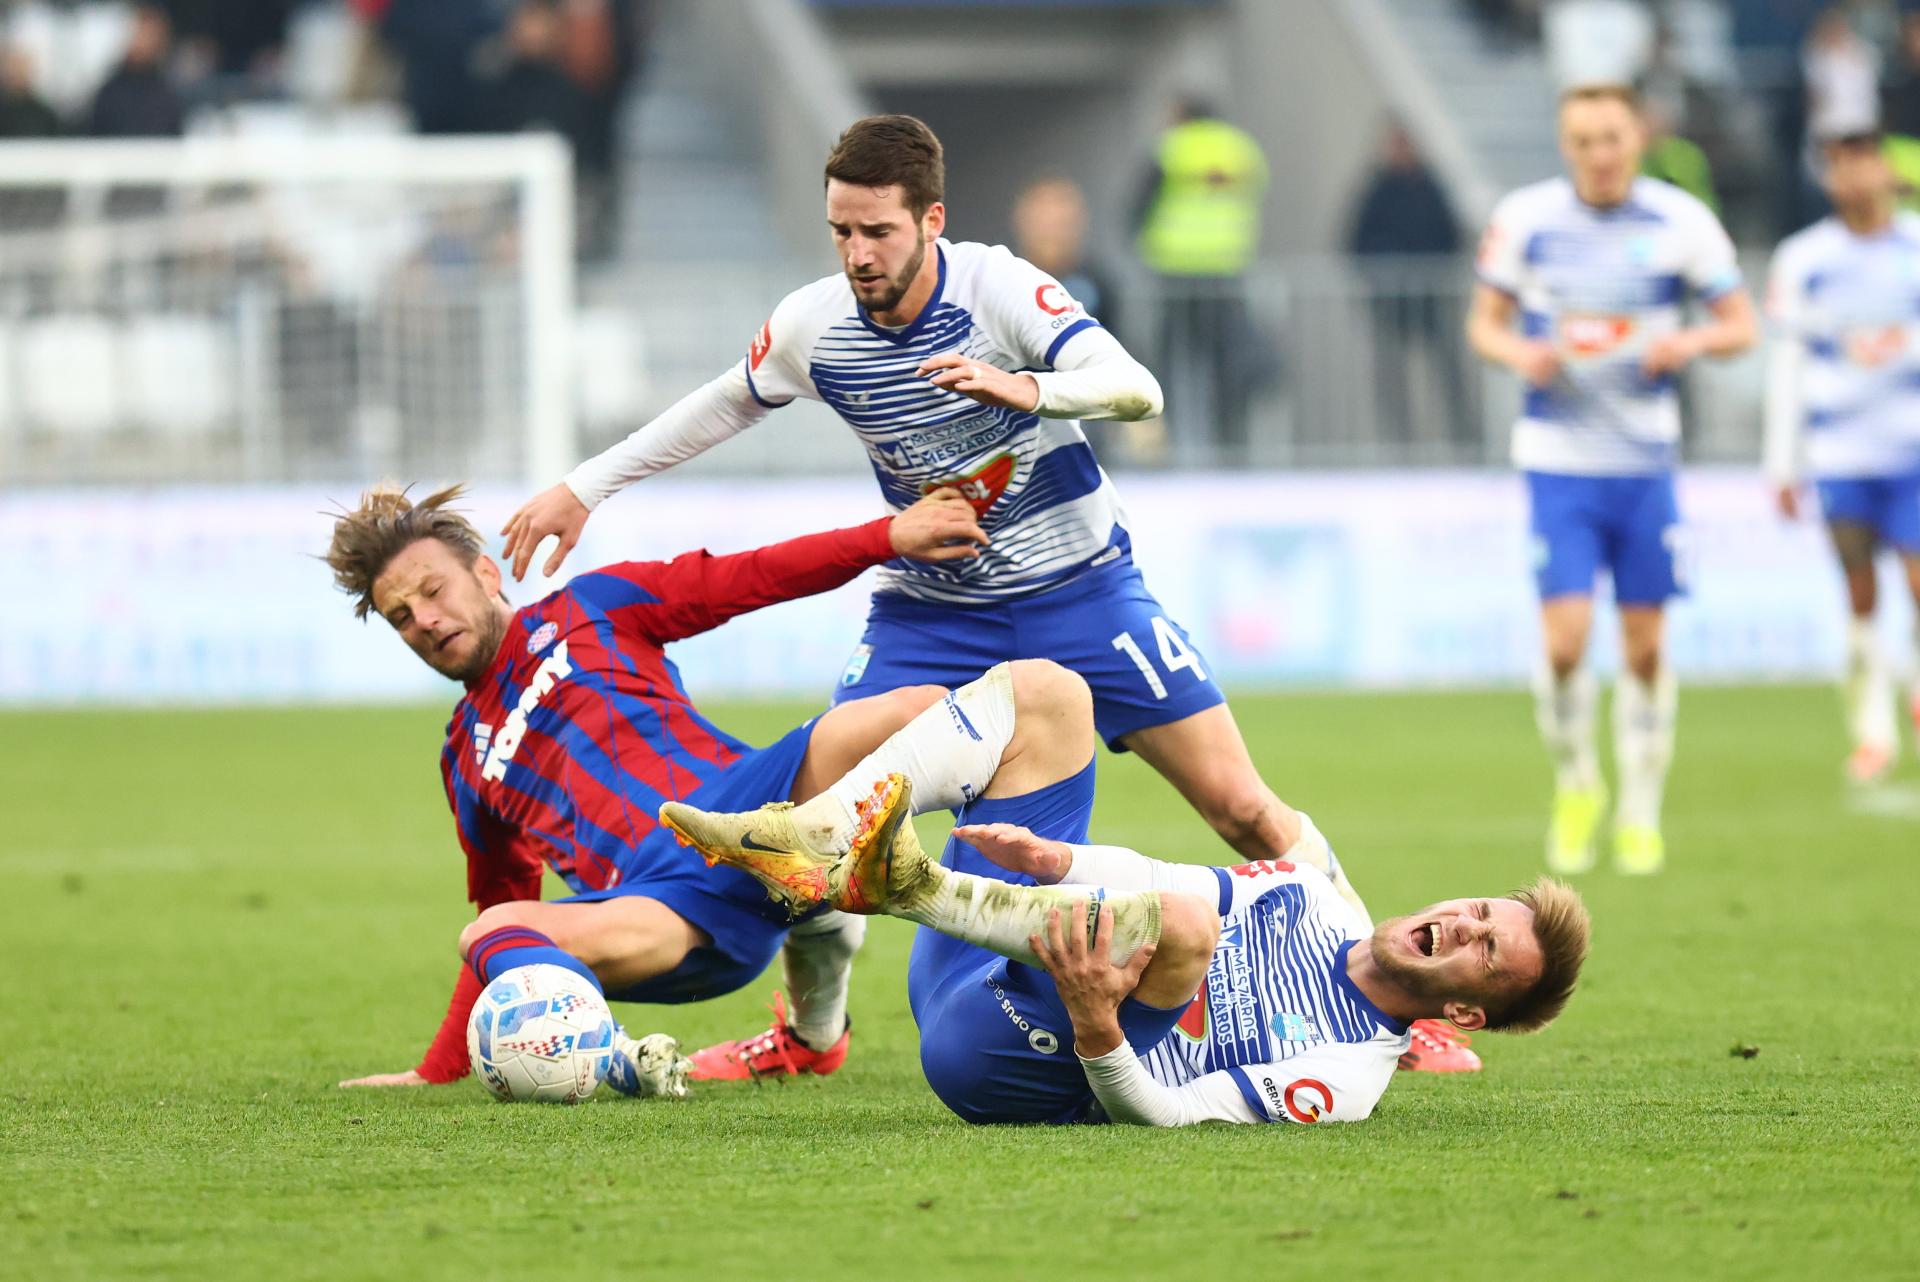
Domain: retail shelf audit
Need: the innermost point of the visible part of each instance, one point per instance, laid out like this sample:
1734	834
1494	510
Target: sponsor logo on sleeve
1307	1100
1261	868
1054	301
762	343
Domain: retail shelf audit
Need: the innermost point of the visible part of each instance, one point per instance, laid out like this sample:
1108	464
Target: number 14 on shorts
1175	656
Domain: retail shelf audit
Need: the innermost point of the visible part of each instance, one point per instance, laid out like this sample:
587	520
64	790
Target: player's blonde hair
1563	929
366	538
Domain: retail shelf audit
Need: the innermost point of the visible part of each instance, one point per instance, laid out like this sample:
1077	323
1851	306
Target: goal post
286	309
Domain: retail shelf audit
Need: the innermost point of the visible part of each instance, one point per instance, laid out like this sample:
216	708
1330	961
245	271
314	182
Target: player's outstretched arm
697	592
694	424
1095	379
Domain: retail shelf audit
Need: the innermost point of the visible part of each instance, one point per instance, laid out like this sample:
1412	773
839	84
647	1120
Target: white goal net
306	309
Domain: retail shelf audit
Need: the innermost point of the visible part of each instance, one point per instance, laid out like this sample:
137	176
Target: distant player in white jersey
1598	268
1190	994
1843	406
959	364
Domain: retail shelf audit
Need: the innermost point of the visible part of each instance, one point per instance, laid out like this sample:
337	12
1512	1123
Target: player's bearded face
881	243
442	608
879	292
1467	950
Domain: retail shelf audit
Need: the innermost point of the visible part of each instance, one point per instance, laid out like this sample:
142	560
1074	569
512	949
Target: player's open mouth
1424	937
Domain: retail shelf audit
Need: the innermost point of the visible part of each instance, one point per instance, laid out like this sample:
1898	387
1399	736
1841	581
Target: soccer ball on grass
541	1033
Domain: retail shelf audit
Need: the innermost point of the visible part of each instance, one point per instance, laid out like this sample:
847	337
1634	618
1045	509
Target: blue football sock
499	951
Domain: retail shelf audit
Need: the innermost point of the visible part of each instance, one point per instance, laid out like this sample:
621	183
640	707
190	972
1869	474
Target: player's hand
1669	353
987	384
942	526
1017	849
408	1078
553	511
1091	987
1538	363
1786	499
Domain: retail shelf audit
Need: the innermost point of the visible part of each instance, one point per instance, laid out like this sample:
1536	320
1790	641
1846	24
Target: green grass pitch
210	917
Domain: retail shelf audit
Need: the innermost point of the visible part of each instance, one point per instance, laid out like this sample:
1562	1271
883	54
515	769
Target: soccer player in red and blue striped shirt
574	730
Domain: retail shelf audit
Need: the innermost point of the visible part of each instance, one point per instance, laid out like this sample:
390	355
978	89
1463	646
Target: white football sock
1563	708
999	915
1644	717
950	751
1869	687
818	960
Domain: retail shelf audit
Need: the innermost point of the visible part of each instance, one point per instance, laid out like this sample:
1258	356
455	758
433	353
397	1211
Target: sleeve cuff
1245	1083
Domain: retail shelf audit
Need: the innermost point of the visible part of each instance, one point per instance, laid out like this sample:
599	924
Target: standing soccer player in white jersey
1190	994
1843	403
959	364
1598	268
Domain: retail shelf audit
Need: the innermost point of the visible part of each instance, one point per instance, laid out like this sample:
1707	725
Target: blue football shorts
1887	505
745	927
1142	667
1627	525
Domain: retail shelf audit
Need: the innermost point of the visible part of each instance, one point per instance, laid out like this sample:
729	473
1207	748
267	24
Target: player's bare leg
1645	705
1868	687
1565	699
1205	758
624	941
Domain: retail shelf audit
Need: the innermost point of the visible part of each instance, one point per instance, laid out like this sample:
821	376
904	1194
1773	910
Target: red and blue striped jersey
562	753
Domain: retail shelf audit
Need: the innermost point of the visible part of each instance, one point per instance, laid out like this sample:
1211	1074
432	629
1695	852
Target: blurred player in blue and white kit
1843	406
1597	269
959	364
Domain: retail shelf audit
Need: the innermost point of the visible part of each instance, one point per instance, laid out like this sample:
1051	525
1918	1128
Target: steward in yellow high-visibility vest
1204	217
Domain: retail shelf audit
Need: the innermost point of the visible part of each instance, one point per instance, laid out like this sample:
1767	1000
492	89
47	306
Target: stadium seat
179	374
69	370
610	380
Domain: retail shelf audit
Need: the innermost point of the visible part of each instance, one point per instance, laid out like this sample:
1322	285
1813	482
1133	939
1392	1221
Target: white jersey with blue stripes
1600	285
1044	502
1852	305
1277	1011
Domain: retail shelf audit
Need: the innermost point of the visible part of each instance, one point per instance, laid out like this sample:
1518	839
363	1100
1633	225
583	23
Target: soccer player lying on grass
574	729
1191	994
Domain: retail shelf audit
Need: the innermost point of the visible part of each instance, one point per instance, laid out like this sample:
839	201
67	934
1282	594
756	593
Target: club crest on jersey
542	637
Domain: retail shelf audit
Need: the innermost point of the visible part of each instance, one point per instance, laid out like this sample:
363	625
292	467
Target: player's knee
489	920
1043	687
908	702
1189	930
1240	809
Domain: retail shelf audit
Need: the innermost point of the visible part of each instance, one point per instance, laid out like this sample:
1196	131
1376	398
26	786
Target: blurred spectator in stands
236	47
528	89
435	42
22	113
1403	233
1842	73
1050	231
1593	42
1673	159
138	100
1507	23
1198	217
1901	113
